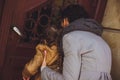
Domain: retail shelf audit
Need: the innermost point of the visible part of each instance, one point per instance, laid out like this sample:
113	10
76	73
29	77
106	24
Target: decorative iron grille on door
41	17
36	21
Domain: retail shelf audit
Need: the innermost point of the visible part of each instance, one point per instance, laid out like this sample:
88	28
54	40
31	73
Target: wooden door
15	51
31	17
95	8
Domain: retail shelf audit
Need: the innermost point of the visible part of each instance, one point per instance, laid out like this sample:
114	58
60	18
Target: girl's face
65	22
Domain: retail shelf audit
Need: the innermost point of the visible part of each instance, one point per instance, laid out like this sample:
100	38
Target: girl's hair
73	12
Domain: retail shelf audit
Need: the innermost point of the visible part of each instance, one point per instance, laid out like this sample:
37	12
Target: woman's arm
31	68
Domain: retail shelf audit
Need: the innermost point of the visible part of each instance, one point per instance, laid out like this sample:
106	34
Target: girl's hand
26	78
44	60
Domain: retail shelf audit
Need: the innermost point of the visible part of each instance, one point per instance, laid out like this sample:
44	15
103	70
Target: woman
32	67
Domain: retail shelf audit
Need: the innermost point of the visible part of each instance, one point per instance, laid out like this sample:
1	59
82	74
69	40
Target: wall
112	20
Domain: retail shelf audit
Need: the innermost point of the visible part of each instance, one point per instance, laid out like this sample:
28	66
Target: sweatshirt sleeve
49	74
71	63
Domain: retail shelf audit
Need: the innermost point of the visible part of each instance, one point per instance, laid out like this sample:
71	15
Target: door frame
5	25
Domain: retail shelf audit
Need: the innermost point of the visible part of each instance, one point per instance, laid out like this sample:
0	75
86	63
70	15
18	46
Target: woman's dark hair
51	36
74	12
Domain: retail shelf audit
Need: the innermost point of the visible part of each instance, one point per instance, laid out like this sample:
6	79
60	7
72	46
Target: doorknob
17	31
